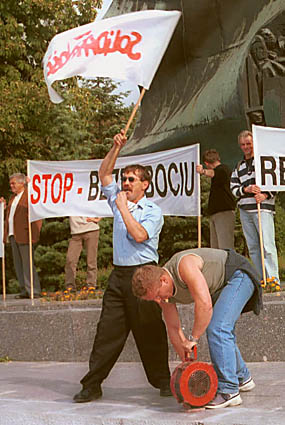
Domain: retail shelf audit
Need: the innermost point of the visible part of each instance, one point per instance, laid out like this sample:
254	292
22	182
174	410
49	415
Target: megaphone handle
194	351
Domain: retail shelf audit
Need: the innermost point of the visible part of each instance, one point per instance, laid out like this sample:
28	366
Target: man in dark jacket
16	231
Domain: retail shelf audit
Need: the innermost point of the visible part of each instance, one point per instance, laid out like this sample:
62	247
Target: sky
103	10
124	85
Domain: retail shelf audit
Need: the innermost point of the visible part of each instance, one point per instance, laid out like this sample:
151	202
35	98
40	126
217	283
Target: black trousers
121	313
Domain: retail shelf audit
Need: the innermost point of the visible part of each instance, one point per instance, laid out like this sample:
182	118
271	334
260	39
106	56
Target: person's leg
72	257
270	251
17	260
150	336
111	335
24	250
225	228
243	373
251	233
213	233
221	333
91	245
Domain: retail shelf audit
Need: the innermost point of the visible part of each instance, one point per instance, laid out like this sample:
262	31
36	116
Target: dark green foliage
105	252
50	254
28	120
31	127
181	233
178	233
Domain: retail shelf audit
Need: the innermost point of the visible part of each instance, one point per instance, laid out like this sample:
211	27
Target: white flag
62	188
125	47
269	157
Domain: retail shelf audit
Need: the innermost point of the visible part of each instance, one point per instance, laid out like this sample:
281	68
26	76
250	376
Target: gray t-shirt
214	261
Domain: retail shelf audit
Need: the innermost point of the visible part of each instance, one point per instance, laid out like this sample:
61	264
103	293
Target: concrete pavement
40	393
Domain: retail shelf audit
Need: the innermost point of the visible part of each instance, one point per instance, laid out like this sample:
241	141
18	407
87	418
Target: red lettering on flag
107	42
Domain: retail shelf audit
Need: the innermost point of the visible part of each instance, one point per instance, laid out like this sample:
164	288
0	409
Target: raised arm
108	163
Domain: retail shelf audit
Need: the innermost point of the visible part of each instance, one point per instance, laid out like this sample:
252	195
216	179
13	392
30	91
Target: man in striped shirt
249	195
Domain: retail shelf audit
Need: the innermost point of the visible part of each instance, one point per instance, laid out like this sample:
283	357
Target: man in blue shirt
137	224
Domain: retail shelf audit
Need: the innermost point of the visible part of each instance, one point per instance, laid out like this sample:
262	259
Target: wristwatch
192	338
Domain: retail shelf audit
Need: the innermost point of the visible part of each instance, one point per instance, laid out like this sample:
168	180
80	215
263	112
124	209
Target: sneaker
86	395
224	400
247	385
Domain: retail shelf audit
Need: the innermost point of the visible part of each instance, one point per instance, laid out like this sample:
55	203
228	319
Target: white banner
125	47
1	229
72	188
269	157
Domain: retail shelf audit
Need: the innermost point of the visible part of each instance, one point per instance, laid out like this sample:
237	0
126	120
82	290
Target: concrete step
64	331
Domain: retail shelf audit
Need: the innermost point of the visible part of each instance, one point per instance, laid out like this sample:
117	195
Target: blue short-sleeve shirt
126	251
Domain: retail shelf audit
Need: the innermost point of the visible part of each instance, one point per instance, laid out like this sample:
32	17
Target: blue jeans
225	355
249	221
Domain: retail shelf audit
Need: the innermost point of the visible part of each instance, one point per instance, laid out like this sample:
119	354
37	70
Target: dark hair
142	172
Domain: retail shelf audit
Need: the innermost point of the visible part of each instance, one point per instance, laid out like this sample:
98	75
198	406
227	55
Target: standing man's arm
134	228
205	171
108	163
235	184
4	201
93	219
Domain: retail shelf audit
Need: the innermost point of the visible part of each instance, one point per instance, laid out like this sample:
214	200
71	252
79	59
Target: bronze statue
223	71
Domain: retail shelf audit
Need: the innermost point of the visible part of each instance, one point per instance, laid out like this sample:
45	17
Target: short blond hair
145	278
243	134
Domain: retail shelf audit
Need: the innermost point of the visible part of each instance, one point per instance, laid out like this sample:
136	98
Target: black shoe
165	390
86	395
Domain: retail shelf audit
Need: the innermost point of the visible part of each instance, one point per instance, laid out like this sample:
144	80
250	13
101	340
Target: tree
26	114
31	127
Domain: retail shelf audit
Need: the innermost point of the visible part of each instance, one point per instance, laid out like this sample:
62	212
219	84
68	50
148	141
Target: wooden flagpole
3	275
132	115
3	257
199	231
134	111
30	238
199	200
261	244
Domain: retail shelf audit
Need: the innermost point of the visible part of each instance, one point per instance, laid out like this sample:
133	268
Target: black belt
135	266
